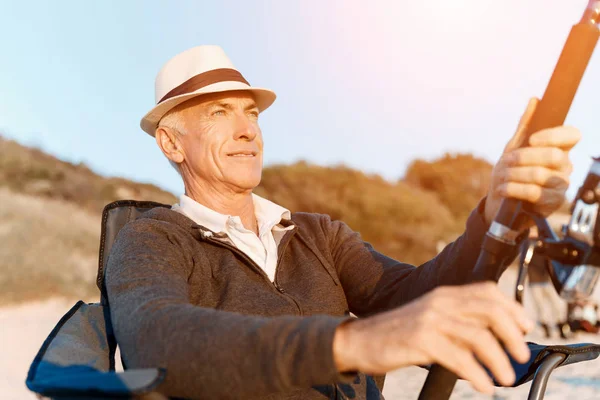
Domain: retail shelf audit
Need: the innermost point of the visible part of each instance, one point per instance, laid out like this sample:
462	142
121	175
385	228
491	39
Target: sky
372	85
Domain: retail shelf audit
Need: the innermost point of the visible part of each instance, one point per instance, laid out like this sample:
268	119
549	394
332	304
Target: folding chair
77	360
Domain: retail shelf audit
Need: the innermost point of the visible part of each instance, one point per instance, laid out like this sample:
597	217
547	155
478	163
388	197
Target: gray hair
174	121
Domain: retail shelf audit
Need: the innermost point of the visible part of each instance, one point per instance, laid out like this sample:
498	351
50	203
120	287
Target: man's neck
227	202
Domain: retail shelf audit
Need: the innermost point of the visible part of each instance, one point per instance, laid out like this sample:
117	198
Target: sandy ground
23	329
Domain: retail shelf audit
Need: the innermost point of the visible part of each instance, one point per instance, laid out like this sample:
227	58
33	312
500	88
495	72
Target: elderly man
238	298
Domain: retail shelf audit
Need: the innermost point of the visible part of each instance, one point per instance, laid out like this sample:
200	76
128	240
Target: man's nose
245	129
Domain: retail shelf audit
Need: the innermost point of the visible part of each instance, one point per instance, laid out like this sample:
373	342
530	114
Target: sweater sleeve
207	353
374	282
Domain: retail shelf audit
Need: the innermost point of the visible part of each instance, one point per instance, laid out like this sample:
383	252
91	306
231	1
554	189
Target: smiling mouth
242	154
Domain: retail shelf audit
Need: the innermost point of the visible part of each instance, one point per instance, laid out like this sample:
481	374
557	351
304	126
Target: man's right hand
452	326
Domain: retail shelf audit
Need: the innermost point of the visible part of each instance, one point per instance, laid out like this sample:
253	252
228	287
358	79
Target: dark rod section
439	384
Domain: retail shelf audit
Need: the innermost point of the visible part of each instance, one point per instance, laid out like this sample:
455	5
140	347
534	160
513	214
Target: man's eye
254	114
218	112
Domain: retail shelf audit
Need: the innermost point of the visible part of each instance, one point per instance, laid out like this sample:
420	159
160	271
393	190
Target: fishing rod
501	238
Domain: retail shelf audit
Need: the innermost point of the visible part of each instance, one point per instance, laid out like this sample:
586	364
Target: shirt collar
268	214
201	214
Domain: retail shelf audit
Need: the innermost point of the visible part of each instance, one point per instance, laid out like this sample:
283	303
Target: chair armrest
574	353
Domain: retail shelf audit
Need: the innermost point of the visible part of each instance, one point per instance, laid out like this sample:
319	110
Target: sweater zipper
280	250
256	267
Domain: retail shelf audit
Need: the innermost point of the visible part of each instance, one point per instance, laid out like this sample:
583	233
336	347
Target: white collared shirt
262	249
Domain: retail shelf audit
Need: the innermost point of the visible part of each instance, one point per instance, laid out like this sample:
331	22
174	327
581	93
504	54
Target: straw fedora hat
199	70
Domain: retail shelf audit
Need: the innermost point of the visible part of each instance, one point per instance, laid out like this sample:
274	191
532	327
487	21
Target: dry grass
33	172
49	248
50	222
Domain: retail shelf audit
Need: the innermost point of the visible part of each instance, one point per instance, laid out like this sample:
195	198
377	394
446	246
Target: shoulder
312	222
154	223
159	229
321	226
150	245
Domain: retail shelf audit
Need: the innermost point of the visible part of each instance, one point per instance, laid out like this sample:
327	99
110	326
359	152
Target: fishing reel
574	256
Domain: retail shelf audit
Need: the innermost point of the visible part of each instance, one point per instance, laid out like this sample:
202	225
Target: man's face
223	143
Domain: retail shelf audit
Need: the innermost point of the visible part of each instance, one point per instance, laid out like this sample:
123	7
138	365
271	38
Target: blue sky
372	85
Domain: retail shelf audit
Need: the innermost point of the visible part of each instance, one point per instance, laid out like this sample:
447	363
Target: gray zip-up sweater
183	298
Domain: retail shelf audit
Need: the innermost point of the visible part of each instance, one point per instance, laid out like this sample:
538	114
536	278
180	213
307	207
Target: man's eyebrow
222	104
250	106
229	106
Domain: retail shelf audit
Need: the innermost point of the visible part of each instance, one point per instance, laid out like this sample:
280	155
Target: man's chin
245	185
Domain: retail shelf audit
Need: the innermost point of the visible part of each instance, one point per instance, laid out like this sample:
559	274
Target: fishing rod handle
552	111
566	78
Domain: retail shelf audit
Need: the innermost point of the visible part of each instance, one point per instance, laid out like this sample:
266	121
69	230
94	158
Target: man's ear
168	142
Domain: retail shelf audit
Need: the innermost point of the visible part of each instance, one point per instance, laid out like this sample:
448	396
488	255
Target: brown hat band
204	79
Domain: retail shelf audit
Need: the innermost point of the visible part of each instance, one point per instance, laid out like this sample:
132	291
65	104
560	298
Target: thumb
520	138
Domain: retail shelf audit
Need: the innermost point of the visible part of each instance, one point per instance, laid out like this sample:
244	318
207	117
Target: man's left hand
534	169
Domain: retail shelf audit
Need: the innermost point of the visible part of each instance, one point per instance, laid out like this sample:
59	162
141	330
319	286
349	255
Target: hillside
50	222
50	214
49	247
399	219
32	172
